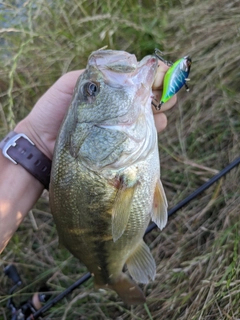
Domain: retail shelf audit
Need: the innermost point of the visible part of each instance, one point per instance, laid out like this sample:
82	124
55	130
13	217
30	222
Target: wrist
15	175
19	191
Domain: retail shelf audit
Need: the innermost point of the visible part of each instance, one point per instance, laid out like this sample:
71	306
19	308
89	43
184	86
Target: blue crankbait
175	78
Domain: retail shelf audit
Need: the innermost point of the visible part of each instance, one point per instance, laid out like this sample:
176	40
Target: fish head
114	87
110	120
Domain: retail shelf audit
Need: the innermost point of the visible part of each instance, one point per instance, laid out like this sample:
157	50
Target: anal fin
159	210
141	264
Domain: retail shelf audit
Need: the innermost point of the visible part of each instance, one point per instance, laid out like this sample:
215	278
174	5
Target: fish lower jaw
117	126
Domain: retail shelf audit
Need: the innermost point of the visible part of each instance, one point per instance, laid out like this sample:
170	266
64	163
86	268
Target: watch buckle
12	143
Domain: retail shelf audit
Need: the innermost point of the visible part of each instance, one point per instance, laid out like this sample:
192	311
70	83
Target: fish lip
151	62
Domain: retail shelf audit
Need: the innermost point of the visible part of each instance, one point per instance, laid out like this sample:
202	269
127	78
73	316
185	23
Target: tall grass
198	252
53	37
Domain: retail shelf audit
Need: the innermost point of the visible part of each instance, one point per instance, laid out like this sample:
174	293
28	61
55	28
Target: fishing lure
175	78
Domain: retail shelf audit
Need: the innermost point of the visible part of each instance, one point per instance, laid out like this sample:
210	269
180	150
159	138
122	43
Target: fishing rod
49	304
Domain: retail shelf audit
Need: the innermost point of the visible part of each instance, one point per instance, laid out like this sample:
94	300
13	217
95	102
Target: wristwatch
19	149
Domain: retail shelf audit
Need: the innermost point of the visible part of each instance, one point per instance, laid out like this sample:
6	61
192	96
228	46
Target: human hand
43	122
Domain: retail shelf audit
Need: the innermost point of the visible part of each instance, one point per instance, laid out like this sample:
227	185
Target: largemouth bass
105	181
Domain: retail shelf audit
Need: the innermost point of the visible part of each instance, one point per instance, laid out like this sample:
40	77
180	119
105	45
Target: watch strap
19	149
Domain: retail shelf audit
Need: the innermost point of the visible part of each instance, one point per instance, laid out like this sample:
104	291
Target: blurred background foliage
198	252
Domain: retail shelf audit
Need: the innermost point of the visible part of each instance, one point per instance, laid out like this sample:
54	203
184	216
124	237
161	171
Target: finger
68	81
161	71
60	93
165	106
169	104
160	121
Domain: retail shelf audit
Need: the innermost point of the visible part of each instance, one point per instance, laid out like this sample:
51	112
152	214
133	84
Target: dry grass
198	252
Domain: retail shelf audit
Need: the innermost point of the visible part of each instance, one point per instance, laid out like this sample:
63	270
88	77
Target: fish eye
91	88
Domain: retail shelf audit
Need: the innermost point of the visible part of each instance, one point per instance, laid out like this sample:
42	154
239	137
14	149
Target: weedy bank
198	252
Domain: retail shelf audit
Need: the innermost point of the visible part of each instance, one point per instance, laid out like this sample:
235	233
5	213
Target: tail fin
127	290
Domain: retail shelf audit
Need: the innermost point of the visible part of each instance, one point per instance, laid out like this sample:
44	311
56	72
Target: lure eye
91	89
189	61
186	64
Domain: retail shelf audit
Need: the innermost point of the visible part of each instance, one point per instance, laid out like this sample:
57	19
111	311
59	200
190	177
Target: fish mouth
122	68
114	60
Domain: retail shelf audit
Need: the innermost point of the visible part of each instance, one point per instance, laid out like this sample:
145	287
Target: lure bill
175	78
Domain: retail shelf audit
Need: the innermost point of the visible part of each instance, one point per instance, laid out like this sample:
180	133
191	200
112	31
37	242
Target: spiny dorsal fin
141	264
159	211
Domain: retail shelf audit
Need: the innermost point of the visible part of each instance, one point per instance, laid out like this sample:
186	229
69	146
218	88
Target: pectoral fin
121	210
159	211
141	264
